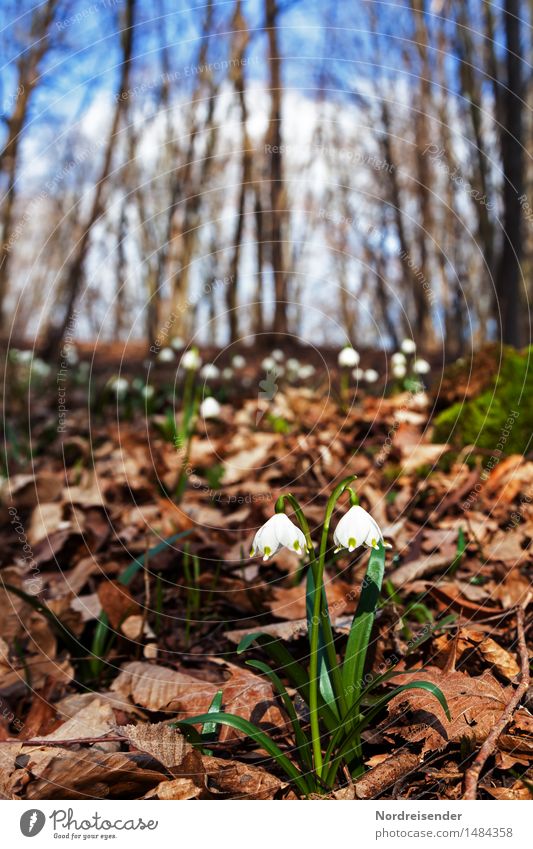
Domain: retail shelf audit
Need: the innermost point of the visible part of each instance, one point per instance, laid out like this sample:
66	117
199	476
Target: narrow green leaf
302	741
209	728
361	629
258	736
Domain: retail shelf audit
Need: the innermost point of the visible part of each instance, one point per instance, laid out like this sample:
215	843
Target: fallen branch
487	749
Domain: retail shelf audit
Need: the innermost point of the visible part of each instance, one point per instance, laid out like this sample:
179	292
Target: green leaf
302	741
361	629
258	736
286	664
461	548
209	729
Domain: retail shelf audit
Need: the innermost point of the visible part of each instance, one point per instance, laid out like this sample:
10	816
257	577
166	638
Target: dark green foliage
500	417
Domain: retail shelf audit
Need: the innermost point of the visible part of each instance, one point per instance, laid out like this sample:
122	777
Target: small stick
75	740
473	772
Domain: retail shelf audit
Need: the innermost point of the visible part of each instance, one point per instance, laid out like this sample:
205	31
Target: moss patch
501	416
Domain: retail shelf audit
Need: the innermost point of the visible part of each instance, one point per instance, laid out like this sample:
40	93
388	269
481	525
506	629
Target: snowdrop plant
334	688
348	359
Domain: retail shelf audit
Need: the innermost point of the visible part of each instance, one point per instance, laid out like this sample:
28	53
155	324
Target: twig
473	772
73	741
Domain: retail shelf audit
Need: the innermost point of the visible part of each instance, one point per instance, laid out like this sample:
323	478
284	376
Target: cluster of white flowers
357	527
350	358
399	361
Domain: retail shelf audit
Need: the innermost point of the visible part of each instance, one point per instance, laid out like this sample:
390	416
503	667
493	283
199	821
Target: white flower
278	355
357	527
227	373
408	346
268	364
278	532
348	357
191	360
293	364
210	371
147	391
40	368
238	361
358	374
24	356
398	359
421	367
177	343
166	355
307	370
398	370
209	408
119	385
371	375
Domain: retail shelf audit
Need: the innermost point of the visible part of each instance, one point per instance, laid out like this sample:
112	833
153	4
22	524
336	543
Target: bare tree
28	66
73	280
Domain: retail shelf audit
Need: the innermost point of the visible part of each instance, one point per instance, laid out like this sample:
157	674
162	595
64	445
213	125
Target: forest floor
122	609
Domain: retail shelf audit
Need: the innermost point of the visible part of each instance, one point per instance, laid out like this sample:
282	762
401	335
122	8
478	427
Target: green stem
319	580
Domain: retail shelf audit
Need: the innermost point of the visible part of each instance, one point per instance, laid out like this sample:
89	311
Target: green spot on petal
352	543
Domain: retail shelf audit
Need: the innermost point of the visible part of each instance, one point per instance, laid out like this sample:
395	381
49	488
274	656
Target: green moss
501	416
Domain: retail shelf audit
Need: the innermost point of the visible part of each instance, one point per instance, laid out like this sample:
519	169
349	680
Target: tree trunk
74	277
276	171
508	278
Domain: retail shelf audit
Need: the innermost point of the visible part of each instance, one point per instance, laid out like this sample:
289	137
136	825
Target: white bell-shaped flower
357	527
408	346
166	355
191	360
399	370
210	371
371	375
209	408
398	359
348	357
278	532
421	366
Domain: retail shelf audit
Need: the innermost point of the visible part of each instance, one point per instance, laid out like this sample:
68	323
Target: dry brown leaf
518	791
475	705
117	602
164	743
63	774
156	687
240	780
499	657
176	789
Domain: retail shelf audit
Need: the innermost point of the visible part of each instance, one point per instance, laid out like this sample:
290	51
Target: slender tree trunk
74	276
508	278
276	170
27	80
238	55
